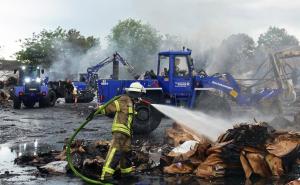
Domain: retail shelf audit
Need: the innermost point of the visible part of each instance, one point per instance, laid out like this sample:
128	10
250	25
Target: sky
206	22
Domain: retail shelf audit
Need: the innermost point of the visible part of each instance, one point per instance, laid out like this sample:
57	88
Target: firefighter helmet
135	90
136	87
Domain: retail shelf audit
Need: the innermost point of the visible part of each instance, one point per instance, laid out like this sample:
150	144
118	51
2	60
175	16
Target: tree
234	53
45	47
276	39
136	41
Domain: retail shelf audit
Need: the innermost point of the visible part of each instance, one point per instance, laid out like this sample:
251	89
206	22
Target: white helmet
136	87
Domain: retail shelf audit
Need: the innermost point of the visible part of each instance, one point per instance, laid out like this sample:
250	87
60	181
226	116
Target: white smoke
70	63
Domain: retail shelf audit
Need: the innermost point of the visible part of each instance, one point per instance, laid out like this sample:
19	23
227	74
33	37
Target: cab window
164	65
181	66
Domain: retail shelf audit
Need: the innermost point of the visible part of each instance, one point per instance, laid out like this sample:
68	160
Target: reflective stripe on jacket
123	110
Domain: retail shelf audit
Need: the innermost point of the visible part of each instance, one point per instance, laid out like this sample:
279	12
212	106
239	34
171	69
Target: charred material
252	151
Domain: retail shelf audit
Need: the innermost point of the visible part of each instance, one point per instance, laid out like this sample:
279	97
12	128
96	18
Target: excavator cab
175	70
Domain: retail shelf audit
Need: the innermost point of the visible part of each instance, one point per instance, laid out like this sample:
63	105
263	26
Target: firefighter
75	95
119	153
71	89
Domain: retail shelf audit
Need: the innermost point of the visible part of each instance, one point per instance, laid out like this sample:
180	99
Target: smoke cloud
70	63
199	25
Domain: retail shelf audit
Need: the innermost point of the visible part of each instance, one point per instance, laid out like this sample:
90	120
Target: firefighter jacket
122	109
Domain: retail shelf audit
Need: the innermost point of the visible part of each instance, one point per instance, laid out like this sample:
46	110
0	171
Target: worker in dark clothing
119	153
69	87
147	75
166	72
152	74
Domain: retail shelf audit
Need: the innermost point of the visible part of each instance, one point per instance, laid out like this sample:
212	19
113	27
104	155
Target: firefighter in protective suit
119	153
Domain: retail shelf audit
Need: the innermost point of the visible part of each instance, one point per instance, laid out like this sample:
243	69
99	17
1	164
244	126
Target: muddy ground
40	130
43	129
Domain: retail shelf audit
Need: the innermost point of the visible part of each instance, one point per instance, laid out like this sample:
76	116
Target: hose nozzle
144	101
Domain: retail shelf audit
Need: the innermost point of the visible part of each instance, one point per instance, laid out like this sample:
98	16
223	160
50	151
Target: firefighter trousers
119	154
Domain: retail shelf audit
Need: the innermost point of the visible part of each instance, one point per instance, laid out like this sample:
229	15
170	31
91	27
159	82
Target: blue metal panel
164	83
19	89
175	53
80	86
108	88
44	89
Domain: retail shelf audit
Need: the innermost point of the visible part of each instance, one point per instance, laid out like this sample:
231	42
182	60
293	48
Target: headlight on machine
27	80
38	80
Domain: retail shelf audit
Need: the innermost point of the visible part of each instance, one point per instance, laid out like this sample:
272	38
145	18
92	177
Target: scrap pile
246	150
250	150
89	158
5	87
4	97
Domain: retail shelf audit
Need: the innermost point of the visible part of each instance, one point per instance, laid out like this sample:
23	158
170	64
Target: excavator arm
91	71
127	65
227	84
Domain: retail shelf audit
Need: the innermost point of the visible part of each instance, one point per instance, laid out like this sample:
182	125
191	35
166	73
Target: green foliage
135	40
276	39
44	48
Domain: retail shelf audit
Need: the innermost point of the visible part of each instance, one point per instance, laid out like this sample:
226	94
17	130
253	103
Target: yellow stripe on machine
233	93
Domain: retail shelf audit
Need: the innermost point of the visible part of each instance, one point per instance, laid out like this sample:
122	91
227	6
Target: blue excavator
177	83
87	84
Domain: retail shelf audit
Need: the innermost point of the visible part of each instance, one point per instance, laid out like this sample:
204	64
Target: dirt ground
44	129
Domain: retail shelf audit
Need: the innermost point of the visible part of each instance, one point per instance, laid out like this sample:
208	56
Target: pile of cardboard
250	150
294	182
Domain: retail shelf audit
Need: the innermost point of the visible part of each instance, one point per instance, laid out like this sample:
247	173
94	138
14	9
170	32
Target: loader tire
43	102
213	104
16	103
29	104
85	97
147	118
69	98
52	98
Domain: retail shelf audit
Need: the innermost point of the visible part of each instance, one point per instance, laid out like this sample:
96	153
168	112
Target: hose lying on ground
69	159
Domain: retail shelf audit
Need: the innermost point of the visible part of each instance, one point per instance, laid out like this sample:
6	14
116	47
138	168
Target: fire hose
68	148
69	159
